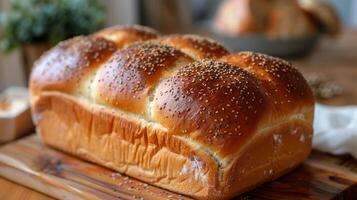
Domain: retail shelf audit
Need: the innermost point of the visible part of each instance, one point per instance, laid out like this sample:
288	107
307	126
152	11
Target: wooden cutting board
62	176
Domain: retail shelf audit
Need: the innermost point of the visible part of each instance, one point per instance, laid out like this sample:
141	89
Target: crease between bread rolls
179	112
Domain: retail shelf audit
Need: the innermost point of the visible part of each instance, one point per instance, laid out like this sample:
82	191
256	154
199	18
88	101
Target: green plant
31	21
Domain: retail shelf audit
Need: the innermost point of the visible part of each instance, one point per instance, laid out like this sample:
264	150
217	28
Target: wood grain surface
11	190
29	162
334	57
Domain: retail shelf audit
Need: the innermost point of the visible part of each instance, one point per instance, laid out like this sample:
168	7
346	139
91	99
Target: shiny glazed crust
178	112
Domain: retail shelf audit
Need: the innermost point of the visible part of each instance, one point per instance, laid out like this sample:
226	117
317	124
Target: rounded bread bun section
63	67
197	47
128	78
213	103
126	35
284	85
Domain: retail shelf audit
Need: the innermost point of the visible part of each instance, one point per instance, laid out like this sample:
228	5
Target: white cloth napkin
335	129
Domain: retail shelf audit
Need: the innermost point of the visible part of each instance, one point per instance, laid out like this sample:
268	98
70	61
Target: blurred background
28	27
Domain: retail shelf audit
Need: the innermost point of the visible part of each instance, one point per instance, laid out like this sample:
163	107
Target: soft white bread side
178	112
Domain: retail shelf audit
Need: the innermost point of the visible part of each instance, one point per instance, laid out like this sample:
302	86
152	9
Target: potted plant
36	25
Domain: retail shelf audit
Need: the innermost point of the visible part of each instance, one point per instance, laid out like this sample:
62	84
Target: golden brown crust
63	67
209	101
277	151
285	86
197	47
128	78
126	35
195	128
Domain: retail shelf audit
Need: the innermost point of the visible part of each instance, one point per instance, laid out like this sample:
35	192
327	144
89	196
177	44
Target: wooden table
336	58
10	190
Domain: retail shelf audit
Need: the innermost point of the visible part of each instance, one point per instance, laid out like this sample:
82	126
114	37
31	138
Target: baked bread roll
241	17
286	19
324	15
178	112
274	18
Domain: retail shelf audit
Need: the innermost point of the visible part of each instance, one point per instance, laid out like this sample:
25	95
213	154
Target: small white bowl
15	116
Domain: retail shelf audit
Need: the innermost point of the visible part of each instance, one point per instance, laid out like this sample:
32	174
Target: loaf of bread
274	18
324	15
179	112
